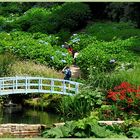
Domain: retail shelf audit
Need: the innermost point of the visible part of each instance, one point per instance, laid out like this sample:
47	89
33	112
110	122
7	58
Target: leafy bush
109	31
80	41
33	20
123	72
68	16
80	105
104	56
134	132
10	8
85	128
124	12
126	96
103	80
38	47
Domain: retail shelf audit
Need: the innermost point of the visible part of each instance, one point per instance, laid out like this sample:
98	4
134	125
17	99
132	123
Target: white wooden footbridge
24	85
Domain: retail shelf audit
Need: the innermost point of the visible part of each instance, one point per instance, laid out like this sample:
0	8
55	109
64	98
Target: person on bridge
67	74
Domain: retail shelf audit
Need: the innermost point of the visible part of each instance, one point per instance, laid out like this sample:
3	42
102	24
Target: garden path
76	73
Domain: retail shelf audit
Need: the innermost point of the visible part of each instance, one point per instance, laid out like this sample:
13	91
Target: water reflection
29	116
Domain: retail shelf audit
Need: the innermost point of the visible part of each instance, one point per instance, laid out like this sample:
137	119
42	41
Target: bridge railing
15	85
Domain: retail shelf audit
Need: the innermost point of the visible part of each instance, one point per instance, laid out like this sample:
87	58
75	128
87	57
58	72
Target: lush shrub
85	128
71	15
102	79
80	41
80	105
33	20
125	12
10	8
108	31
126	96
111	30
68	16
104	56
134	132
38	47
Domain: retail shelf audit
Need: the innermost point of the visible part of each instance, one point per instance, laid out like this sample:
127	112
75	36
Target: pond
27	116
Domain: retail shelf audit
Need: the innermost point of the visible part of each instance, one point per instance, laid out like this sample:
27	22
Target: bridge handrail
6	87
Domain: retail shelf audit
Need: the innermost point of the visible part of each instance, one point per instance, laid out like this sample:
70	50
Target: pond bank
21	130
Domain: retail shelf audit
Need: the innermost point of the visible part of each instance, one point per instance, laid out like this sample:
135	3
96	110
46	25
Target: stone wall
21	130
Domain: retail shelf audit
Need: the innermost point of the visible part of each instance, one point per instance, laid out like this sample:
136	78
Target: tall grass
106	81
132	76
29	68
6	61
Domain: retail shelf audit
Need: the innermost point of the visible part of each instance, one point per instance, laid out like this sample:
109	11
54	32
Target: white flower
112	61
64	54
62	46
46	43
57	51
64	61
24	46
74	34
75	40
52	57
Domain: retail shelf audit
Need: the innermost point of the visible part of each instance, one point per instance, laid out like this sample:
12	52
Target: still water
29	116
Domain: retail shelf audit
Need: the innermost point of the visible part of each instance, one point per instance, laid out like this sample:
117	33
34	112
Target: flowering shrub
126	95
38	47
100	54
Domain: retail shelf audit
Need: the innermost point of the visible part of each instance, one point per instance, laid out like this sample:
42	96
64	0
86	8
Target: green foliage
99	55
10	8
33	20
134	132
109	31
42	102
6	61
63	35
68	16
80	105
102	79
38	47
85	128
124	12
106	80
14	8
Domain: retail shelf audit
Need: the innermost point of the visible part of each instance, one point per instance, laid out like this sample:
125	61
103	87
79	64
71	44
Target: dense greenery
80	105
88	127
100	54
51	20
38	47
108	58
